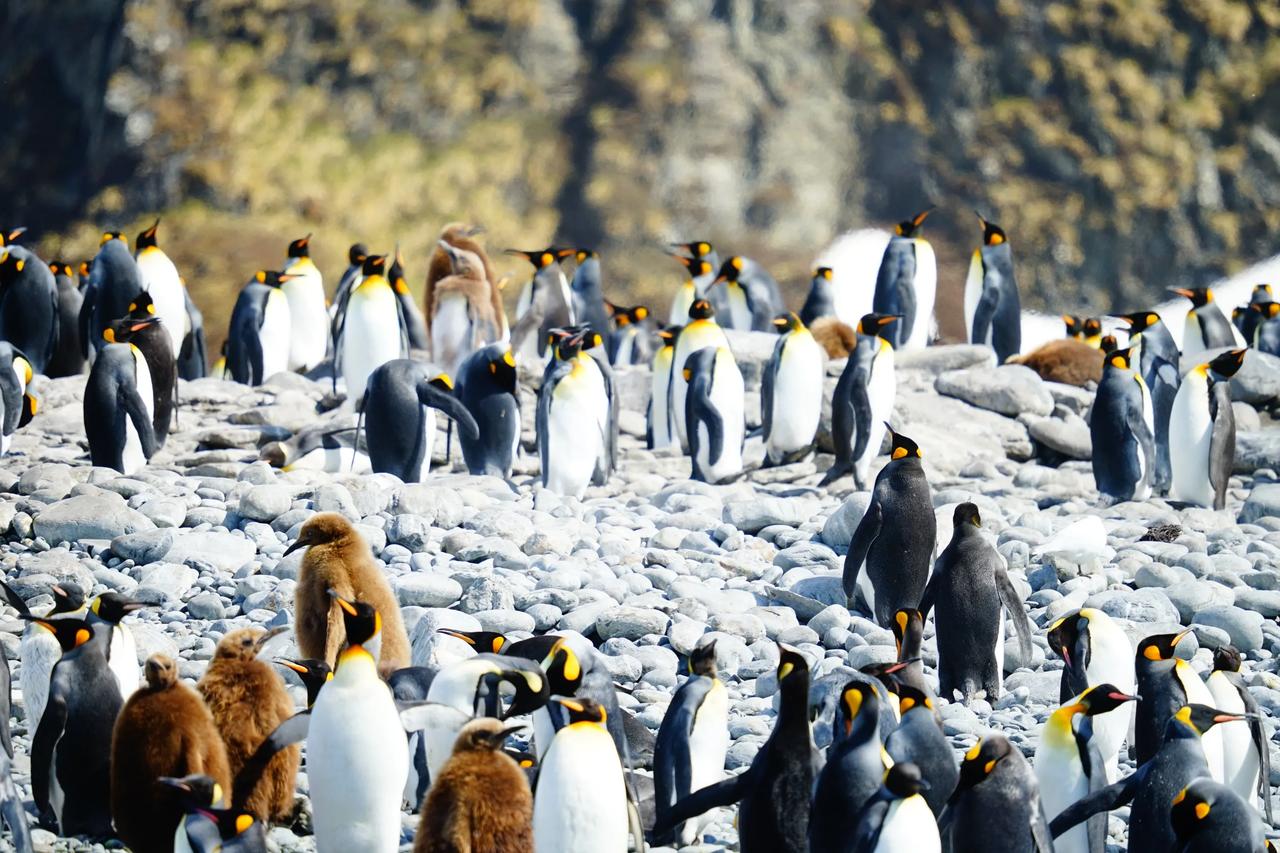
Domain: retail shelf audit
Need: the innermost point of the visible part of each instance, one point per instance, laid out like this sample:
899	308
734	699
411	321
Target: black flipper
1222	441
867	532
438	398
1103	800
1137	423
6	705
1094	770
1013	605
137	412
1258	729
48	732
983	316
726	792
766	387
15	601
291	731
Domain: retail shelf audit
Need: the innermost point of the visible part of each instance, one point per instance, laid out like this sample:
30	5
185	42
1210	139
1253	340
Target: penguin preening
1202	432
713	415
549	305
855	766
1206	327
118	418
1156	355
1120	426
320	448
820	301
144	329
661	429
68	358
1167	683
992	309
791	392
996	806
399	415
114	281
699	332
30	317
372	330
486	386
163	730
906	284
1246	755
863	401
462	318
20	405
308	315
1209	817
160	279
889	555
261	330
897	817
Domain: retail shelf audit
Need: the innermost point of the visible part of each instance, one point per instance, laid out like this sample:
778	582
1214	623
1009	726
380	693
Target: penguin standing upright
106	613
357	253
863	401
399	413
630	342
1250	315
144	329
1246	756
260	334
118	419
193	360
462	318
1206	327
1124	453
971	594
701	263
897	818
487	388
357	755
661	430
919	740
713	415
573	421
791	392
889	554
372	331
692	740
1167	683
1153	350
855	766
29	310
1202	432
1266	331
1209	817
996	805
39	649
699	332
1074	326
159	278
821	299
463	236
1096	651
992	310
308	316
68	358
415	326
753	295
906	284
549	305
587	292
19	405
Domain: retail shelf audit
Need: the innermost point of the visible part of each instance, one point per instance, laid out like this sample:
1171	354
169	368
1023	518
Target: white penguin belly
626	346
660	425
680	304
1239	757
999	650
708	744
1190	432
160	279
123	660
1062	782
727	392
697	335
925	286
882	388
573	441
132	457
1199	694
909	827
336	460
797	396
972	293
308	318
428	442
451	337
739	312
1111	662
370	336
1192	336
275	334
581	805
40	651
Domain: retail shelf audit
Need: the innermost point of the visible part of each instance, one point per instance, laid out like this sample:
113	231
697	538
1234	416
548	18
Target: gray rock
1263	500
752	515
426	590
1262	601
1257	381
226	552
1067	435
487	593
838	529
1242	626
943	359
41	570
164	512
163	583
1010	389
505	621
440	506
433	649
335	497
411	531
206	605
1141	605
144	547
631	623
265	503
99	516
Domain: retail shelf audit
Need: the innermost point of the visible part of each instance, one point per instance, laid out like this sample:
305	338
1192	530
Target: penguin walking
1167	683
39	648
791	392
713	415
261	330
919	740
114	282
19	404
1069	766
480	800
1209	817
30	317
992	310
415	325
774	792
573	420
692	740
549	304
1124	453
996	806
1206	326
863	401
163	729
1266	331
661	431
357	755
308	316
144	329
487	388
907	282
399	411
898	817
372	331
462	318
889	554
1202	432
855	767
971	595
699	332
820	302
193	360
68	358
581	803
1246	757
118	417
1156	355
338	561
160	279
753	295
70	758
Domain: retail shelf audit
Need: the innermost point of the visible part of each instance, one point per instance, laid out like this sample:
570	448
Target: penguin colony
525	744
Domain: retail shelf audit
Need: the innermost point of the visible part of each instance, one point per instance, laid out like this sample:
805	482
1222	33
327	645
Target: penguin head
1201	718
124	331
195	792
1102	698
564	343
1226	659
374	265
696	248
481	641
701	309
272	278
992	234
1160	646
793	672
702	660
1068	637
1139	320
730	270
1074	324
314	674
1199	296
300	248
887	675
822	274
1261	293
11	235
908	227
244	644
112	607
503	370
70	633
859	706
966	515
982	759
108	236
396	274
85	267
1119	359
913	697
322	529
583	255
788	321
361	619
67	598
557	659
905	780
636	314
1227	364
60	268
1267	309
10	266
908	631
541	258
1108	344
669	335
161	672
485	734
147	239
142	306
582	709
524	759
356	254
1092	327
1192	807
873	324
903	447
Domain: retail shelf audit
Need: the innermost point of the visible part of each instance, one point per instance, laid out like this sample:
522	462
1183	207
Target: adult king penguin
753	297
1209	817
791	392
996	805
821	300
992	310
1124	452
906	284
696	286
1153	350
1202	432
487	388
919	740
462	318
1246	757
1266	333
1206	326
19	404
630	342
308	316
549	304
192	361
39	649
145	330
106	613
587	293
855	766
970	593
373	330
261	331
661	430
699	332
863	401
29	315
114	282
573	420
400	406
889	554
160	279
1250	315
897	818
68	359
713	414
415	325
1167	683
118	417
356	255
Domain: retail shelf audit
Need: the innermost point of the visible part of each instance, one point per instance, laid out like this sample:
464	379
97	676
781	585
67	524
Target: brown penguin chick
248	699
481	801
338	559
1065	360
837	338
462	236
466	280
163	730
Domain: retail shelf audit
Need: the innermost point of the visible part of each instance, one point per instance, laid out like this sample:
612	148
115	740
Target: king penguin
29	314
971	595
399	414
20	405
587	293
1209	817
356	255
308	316
791	392
897	818
630	342
752	294
118	418
1246	756
192	361
1250	315
1124	453
821	299
580	803
415	326
68	359
373	330
700	261
1202	432
487	388
106	613
892	547
39	649
1266	332
863	401
260	334
996	805
160	279
549	304
661	430
856	763
919	740
1156	355
699	332
713	414
1167	683
573	421
1206	327
906	284
992	310
144	329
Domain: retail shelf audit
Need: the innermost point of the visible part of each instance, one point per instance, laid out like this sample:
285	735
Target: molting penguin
308	316
661	430
699	332
118	419
463	236
1124	453
581	803
145	330
1153	350
259	337
400	406
114	282
971	594
1206	326
889	554
906	284
68	358
415	326
1246	757
821	299
372	330
1202	432
855	766
791	392
19	405
550	304
753	296
29	311
863	401
713	415
462	317
487	388
996	805
992	310
1166	684
897	818
160	279
573	421
1209	817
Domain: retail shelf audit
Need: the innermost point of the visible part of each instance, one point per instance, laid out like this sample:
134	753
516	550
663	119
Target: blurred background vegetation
1125	145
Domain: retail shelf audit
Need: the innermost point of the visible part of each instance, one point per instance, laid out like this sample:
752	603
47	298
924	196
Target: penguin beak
1189	294
1125	697
457	635
171	782
347	607
301	542
134	606
292	664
